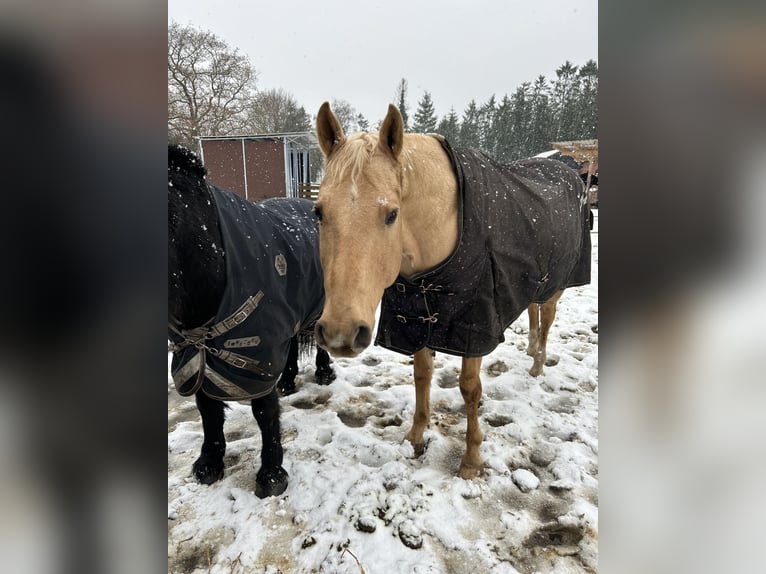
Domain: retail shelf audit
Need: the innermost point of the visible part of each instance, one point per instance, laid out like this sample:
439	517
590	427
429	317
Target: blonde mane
352	155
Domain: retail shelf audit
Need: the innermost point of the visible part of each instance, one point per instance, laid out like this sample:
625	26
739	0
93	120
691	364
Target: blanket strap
197	336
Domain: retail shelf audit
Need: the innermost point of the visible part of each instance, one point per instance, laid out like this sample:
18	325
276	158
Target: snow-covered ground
358	500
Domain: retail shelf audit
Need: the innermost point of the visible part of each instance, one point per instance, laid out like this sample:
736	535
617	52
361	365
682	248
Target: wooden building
260	166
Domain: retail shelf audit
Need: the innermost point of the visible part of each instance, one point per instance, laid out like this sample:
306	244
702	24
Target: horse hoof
272	482
470	472
207	472
324	376
417	447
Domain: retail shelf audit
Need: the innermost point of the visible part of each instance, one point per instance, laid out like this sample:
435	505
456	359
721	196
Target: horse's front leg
534	328
470	387
324	372
209	466
547	314
287	380
271	479
423	371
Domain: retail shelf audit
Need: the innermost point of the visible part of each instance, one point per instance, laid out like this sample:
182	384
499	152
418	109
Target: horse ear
329	131
391	135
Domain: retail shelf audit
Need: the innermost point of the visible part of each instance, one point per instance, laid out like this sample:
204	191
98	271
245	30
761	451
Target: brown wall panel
223	159
265	169
260	176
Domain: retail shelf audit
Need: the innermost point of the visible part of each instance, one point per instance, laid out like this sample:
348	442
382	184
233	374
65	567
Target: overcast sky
358	51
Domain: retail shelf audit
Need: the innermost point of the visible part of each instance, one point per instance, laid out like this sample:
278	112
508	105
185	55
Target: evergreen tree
541	122
565	96
503	130
486	120
401	102
520	121
524	124
449	127
425	117
469	129
587	125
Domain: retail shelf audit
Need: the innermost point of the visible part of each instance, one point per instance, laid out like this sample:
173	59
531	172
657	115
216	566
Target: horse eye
318	212
391	217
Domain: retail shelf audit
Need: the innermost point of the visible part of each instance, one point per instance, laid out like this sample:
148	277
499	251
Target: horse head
360	227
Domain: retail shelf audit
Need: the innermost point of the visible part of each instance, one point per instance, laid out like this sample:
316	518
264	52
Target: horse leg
423	371
470	387
209	466
534	328
271	479
324	373
547	314
287	380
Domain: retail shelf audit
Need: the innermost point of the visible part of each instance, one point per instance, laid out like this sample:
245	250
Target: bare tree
209	85
346	114
276	111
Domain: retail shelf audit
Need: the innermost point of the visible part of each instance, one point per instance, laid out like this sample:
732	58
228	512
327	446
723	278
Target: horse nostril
363	337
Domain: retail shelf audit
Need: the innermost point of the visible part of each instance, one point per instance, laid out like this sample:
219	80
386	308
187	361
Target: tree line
212	91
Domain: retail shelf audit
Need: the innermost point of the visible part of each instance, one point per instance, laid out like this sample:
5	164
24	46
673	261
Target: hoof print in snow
449	379
409	536
365	524
542	455
370	361
308	542
383	515
554	534
498	419
497	368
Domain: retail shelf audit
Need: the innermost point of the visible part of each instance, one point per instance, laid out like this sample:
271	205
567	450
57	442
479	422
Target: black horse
244	285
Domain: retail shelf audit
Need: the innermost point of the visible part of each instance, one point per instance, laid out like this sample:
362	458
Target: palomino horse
452	245
243	280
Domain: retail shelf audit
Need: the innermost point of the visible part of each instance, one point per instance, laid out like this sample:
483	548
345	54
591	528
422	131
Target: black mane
196	266
182	159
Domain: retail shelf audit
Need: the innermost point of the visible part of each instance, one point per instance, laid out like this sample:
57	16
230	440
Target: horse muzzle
343	340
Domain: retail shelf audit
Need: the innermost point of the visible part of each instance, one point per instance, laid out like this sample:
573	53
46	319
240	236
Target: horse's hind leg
209	466
470	387
324	373
423	371
287	380
271	479
534	328
547	314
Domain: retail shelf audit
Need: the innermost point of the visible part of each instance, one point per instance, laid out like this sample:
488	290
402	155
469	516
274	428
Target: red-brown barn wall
265	167
223	159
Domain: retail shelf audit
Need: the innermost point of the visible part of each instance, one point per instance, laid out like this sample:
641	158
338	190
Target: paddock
358	493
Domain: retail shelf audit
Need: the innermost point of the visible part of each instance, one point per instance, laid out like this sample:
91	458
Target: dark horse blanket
274	289
523	236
